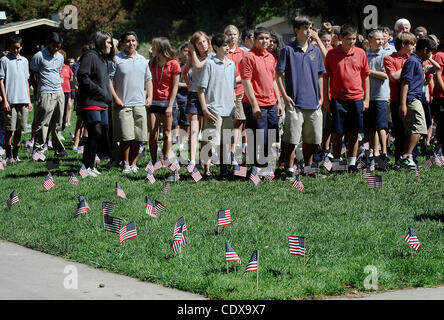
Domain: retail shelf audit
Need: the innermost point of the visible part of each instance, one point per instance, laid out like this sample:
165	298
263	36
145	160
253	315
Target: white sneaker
17	160
97	172
126	168
91	173
134	168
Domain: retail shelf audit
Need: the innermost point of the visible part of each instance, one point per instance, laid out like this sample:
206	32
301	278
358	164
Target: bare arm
148	93
280	76
116	98
325	102
276	92
367	92
395	76
195	62
321	46
3	93
203	103
439	80
248	87
185	70
403	99
378	74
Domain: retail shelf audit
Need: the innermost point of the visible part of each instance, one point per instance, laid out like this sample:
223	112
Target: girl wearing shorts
165	71
198	50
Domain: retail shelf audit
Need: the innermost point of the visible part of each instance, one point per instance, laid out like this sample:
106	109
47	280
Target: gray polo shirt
219	80
15	72
130	75
379	89
48	68
197	72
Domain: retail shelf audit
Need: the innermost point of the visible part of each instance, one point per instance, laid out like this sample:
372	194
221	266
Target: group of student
322	89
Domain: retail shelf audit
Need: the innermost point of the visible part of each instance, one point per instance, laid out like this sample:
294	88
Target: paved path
26	274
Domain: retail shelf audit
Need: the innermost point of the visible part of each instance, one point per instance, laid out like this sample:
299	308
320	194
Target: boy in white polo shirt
14	86
216	96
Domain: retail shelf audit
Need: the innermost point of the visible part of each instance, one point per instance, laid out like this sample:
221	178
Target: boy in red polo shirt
347	76
404	44
261	106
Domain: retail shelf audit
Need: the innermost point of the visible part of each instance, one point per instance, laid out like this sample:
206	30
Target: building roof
20	25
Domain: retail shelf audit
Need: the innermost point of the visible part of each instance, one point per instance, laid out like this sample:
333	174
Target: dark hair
98	41
125	34
55	38
260	30
384	29
300	21
347	29
279	43
14	39
247	33
185	45
426	42
164	48
219	40
323	32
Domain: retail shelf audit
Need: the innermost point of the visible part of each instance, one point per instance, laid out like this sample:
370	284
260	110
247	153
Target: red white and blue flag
128	232
224	217
230	254
297	183
49	182
178	239
240	171
254	177
149	207
81	209
13	199
107	208
412	239
112	224
83	172
73	179
253	264
119	191
150	176
297	245
196	175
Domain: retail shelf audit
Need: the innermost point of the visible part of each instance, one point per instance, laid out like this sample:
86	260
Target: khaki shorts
239	113
15	119
414	122
222	129
305	124
130	123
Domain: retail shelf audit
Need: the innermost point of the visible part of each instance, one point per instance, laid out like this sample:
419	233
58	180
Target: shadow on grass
439	217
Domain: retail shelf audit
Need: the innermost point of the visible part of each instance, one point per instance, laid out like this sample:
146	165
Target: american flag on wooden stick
82	198
178	239
112	224
158	207
297	245
73	179
149	207
297	183
412	239
150	176
81	209
253	264
107	207
254	177
83	172
230	254
196	175
13	199
240	171
223	217
128	232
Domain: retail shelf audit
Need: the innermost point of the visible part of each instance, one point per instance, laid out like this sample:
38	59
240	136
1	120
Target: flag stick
227	267
257	273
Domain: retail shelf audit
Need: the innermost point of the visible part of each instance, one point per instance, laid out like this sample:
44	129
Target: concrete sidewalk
27	274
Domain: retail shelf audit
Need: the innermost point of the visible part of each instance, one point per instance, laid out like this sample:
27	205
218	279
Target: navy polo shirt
413	73
302	70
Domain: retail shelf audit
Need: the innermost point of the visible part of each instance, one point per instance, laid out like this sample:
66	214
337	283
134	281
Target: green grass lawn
347	227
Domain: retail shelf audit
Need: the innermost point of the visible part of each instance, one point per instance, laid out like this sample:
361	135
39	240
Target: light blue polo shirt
48	68
379	89
219	80
15	72
130	75
197	72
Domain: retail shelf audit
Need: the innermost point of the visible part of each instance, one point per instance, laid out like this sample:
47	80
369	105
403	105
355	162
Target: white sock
352	161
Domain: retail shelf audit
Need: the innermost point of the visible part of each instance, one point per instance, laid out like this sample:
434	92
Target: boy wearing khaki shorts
216	96
14	87
299	78
410	107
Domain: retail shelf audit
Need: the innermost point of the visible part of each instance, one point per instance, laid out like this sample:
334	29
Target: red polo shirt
236	56
346	71
393	63
439	58
258	66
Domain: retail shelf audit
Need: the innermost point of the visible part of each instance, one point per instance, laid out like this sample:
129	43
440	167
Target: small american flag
13	199
73	179
158	207
240	171
252	264
375	182
119	191
166	163
83	172
339	166
180	223
428	163
97	159
367	173
38	155
297	183
149	207
173	177
178	240
81	209
166	187
196	175
49	182
107	207
175	166
313	169
80	150
82	198
112	224
190	167
297	245
254	177
230	254
150	176
412	239
149	166
128	232
223	217
327	163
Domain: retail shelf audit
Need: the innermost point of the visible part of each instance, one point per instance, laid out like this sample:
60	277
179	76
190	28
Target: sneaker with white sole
91	172
134	168
17	160
97	172
126	168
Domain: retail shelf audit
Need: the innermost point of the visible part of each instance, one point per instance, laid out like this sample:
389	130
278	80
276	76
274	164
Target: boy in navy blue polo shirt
299	77
410	108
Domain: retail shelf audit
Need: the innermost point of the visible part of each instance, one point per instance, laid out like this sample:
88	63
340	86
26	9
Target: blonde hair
231	27
195	38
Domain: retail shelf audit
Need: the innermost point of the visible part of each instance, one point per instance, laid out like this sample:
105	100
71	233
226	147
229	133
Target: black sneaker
61	153
209	177
352	169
